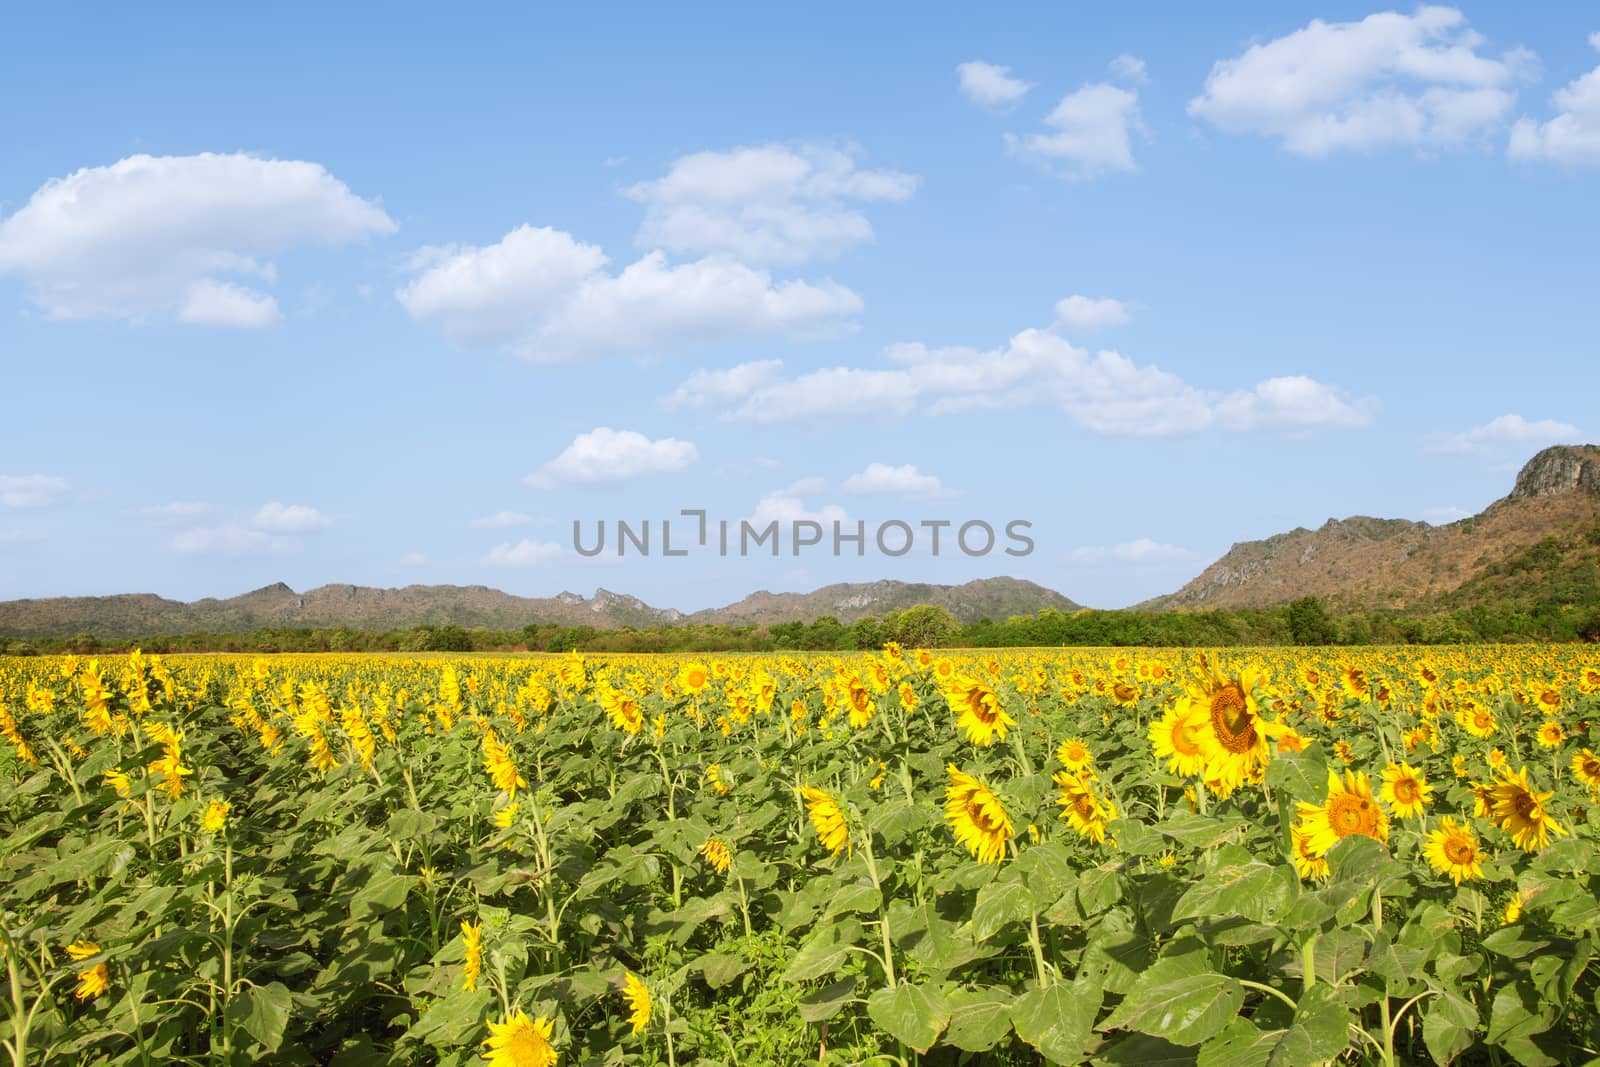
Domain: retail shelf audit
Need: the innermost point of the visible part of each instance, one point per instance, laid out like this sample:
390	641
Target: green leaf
999	903
914	1015
855	897
830	1000
979	1018
454	1019
262	1012
1256	890
385	892
1179	1000
824	952
1098	889
1449	1022
1200	831
1303	775
1058	1019
720	968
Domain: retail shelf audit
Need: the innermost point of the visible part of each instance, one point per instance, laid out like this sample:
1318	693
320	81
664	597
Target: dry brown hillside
1363	562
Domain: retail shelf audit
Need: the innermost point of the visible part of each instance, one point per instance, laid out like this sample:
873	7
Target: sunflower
828	819
908	696
1551	735
1453	849
637	994
1124	694
1519	810
472	940
1477	720
976	815
1235	745
497	762
1074	754
1349	810
1586	766
693	678
1087	813
1546	697
978	710
717	854
1307	864
520	1042
216	816
859	699
714	779
507	815
1176	738
1513	910
1405	790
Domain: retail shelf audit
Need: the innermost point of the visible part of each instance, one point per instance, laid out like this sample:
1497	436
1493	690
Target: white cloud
1443	515
985	83
1104	392
289	518
151	236
413	559
231	539
708	388
543	295
1573	136
764	204
1141	550
1090	313
1091	132
607	455
502	520
1130	68
32	490
1389	79
524	553
786	506
495	294
213	303
900	481
1501	434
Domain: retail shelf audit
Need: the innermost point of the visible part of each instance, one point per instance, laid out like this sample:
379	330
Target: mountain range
1541	539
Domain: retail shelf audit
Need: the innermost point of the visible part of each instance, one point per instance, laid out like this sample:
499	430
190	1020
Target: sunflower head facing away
828	820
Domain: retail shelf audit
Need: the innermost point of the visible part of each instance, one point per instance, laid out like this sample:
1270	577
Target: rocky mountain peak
1558	470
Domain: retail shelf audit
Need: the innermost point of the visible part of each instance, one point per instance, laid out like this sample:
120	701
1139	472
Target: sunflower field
1293	856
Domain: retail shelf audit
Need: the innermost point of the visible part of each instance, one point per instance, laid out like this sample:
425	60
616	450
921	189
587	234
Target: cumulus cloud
524	553
231	539
1506	433
787	506
1129	67
275	517
150	237
1573	135
898	481
1104	392
710	388
605	455
212	303
1090	132
1090	313
764	204
985	83
545	296
1141	550
32	490
1390	79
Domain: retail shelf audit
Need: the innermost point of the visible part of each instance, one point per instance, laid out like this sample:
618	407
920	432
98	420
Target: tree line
1308	621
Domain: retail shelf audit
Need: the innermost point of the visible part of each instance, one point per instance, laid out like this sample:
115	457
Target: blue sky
345	296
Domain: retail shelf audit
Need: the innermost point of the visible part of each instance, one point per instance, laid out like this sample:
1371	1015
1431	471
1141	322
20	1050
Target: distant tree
1310	623
1590	630
925	626
867	634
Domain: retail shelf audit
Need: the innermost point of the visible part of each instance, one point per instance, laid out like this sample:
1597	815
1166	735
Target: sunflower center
1405	791
1459	851
1591	767
1123	691
1231	718
1351	815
